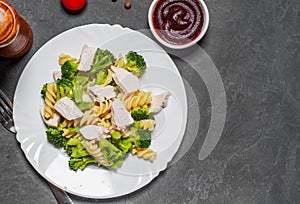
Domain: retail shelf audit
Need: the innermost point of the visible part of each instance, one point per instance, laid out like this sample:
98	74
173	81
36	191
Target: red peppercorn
73	5
127	5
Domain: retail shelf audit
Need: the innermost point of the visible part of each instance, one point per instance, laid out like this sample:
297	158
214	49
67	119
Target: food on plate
159	102
97	111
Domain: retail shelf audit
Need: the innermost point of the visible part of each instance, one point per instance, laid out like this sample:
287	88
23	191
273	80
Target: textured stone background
256	47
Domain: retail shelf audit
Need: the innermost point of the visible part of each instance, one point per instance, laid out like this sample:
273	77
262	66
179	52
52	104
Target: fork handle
61	196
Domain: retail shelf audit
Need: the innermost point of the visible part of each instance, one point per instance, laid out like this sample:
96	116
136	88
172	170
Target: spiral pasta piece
125	134
105	123
137	99
63	58
102	108
50	100
89	118
68	134
120	62
108	79
147	124
93	149
67	123
145	153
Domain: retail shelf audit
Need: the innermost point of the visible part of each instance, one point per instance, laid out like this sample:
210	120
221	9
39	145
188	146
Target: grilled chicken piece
86	98
68	109
125	80
121	118
57	75
94	132
159	102
86	58
100	93
53	121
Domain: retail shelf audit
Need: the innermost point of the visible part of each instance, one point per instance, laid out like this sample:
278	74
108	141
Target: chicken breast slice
100	93
68	109
159	102
121	118
86	58
57	75
94	132
125	80
86	98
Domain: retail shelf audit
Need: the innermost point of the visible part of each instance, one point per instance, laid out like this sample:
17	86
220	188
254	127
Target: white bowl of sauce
178	24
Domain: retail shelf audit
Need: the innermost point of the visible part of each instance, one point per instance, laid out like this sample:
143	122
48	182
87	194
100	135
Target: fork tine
6	114
5	107
5	102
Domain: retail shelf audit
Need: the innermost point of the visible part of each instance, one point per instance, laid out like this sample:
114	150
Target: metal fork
6	119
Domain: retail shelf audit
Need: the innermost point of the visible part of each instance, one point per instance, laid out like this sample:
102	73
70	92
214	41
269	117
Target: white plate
52	163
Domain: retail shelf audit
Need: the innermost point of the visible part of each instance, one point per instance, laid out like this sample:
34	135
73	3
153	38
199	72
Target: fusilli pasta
108	79
50	98
105	123
103	109
67	123
145	153
93	149
63	58
89	118
68	134
120	62
137	99
147	124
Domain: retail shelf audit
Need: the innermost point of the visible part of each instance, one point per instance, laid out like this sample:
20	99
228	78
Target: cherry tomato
74	5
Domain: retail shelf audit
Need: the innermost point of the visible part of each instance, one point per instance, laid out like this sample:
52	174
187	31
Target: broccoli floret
112	155
140	113
80	163
85	105
73	141
101	76
73	130
44	90
69	70
116	89
122	144
116	135
54	136
75	148
64	88
79	151
135	63
102	59
79	86
141	138
69	149
66	83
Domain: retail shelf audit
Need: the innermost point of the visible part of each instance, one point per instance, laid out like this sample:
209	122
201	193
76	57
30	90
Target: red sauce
178	21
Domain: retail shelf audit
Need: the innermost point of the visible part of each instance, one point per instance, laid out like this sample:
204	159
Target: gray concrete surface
255	46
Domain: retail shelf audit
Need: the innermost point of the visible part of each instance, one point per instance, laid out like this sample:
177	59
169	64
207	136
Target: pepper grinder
15	33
